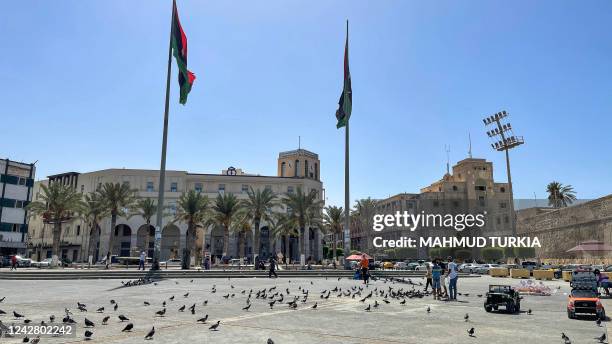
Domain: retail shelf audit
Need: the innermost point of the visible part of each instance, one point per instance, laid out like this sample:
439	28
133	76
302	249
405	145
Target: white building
16	182
296	169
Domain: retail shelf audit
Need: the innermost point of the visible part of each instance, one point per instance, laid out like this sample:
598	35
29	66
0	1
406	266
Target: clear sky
82	88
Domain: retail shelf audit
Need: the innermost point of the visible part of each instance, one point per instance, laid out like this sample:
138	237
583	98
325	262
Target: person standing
14	262
453	277
364	264
428	276
436	273
272	268
141	263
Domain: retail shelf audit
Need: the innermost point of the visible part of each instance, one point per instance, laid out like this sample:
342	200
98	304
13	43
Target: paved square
335	320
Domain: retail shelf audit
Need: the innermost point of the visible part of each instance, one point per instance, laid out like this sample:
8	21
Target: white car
400	266
485	268
42	264
423	267
469	268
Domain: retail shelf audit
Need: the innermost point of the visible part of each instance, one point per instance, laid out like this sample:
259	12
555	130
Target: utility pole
504	140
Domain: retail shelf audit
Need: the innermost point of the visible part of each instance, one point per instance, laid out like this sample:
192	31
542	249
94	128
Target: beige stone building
469	189
296	169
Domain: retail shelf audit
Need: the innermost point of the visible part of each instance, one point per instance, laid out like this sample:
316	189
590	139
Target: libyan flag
179	50
345	104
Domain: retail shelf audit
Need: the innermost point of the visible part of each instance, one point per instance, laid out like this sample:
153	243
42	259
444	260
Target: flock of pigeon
274	296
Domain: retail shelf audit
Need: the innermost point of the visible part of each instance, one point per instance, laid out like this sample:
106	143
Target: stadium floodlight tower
504	139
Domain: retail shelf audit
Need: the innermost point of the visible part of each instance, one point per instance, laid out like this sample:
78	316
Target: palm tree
225	213
117	198
59	203
145	208
283	226
560	195
303	209
364	212
93	212
192	209
258	208
333	219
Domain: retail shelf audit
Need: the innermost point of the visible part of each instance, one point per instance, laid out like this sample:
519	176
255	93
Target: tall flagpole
162	168
347	202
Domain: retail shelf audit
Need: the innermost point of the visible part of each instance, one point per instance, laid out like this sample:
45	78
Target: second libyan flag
179	50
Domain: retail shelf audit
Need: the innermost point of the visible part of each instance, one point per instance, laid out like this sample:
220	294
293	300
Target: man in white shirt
141	263
452	275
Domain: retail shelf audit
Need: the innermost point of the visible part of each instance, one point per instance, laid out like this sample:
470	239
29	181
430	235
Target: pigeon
247	307
52	318
100	310
2	312
529	311
17	315
25	339
116	306
314	306
171	298
376	304
88	335
270	341
146	303
428	309
161	313
36	340
214	327
205	303
128	328
112	302
466	317
105	320
602	338
123	317
203	320
471	332
186	295
2	299
150	334
369	308
182	308
89	323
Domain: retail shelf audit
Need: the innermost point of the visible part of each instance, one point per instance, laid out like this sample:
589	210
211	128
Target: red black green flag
345	104
179	50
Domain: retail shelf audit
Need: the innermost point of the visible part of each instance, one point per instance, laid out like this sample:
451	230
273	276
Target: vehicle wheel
488	308
570	315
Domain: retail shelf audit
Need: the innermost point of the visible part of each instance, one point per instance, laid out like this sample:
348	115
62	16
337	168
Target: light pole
504	140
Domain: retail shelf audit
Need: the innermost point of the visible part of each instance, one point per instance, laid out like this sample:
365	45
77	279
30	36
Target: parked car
400	266
412	266
485	268
173	261
23	262
509	266
387	265
423	267
41	264
529	266
469	268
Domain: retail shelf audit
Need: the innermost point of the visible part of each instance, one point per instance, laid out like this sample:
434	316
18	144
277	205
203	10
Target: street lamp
504	139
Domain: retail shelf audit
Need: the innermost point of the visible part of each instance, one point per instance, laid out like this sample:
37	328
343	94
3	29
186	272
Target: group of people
438	274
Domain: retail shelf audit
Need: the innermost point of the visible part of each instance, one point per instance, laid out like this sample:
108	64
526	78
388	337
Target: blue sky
83	88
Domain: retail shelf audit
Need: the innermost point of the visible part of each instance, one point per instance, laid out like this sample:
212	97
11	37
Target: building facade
16	182
131	233
469	189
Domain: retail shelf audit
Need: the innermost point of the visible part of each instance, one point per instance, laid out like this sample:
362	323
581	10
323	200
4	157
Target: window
454	187
481	188
290	189
498	220
316	172
198	187
502	189
436	203
297	168
245	188
150	187
305	168
506	219
481	201
502	205
283	165
221	188
173	187
82	189
16	227
79	230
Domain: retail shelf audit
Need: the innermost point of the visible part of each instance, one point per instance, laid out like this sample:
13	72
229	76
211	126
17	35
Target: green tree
226	212
303	209
257	208
560	195
58	203
118	198
333	219
145	208
93	211
492	254
192	209
363	215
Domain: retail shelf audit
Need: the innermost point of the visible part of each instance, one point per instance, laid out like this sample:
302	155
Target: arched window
283	169
316	174
306	168
297	168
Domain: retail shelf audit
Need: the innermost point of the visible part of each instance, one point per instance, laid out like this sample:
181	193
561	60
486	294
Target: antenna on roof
299	142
